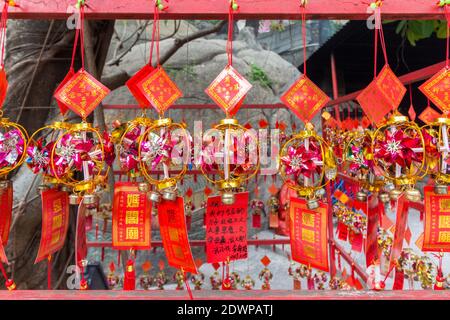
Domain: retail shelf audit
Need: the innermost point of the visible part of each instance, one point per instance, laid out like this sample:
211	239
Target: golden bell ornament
395	194
312	204
144	187
384	197
228	198
74	199
413	195
361	196
90	199
42	188
441	189
154	196
4	184
169	195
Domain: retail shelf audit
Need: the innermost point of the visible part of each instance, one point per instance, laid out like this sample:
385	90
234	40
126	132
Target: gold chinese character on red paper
305	99
381	96
437	89
228	90
133	200
429	115
132	233
132	217
82	93
57	222
159	90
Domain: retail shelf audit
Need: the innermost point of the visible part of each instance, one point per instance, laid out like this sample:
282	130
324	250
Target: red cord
303	13
49	272
188	287
230	35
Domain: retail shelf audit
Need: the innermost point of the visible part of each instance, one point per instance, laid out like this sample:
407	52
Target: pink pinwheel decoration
11	148
157	149
398	148
300	161
39	156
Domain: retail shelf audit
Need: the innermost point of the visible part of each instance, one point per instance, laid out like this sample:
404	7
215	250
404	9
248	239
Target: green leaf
441	32
411	36
401	25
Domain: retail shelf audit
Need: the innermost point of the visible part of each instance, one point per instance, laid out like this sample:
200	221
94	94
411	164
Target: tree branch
119	79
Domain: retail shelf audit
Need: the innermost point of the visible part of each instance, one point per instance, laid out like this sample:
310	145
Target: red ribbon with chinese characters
226	229
131	225
55	222
309	242
172	224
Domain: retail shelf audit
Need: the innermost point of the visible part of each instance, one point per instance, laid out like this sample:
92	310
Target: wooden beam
218	9
222	295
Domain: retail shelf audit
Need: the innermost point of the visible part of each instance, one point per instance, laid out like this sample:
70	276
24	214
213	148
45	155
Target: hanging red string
9	283
79	35
303	14
379	33
447	17
3	23
232	8
155	34
188	287
49	272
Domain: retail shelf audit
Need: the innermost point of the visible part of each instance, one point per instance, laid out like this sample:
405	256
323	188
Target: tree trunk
25	42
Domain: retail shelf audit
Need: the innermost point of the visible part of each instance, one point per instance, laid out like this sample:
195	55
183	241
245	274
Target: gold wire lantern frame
437	127
232	183
61	126
167	182
84	186
298	139
144	121
5	123
400	122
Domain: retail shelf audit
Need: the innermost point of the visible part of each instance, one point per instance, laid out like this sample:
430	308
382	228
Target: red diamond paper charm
265	261
383	95
305	99
437	89
62	106
159	90
429	115
82	93
3	87
228	90
132	85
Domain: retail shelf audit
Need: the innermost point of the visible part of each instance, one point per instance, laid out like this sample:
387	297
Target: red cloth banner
6	205
400	228
131	228
80	237
309	234
172	224
373	223
55	222
436	235
226	229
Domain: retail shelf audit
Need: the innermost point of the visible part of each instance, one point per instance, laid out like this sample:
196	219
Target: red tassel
9	283
129	280
103	254
188	222
256	221
96	231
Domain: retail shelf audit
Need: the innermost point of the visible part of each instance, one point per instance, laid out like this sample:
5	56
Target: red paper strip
80	237
174	235
356	240
55	222
3	87
226	229
342	230
399	279
400	228
256	221
6	205
131	225
309	234
373	223
436	222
